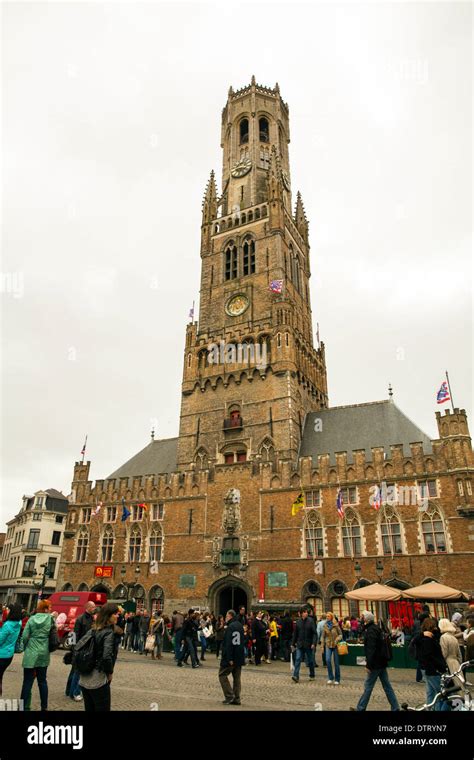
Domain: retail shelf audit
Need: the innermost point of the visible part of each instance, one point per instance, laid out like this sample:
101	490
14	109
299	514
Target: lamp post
42	583
357	570
379	571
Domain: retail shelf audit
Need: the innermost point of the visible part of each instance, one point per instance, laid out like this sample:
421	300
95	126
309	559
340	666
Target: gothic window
157	511
231	262
469	487
107	545
313	535
351	535
264	130
427	489
201	460
340	607
111	514
432	528
349	495
313	498
135	544
391	532
264	158
460	488
244	131
82	546
249	256
267	451
137	513
156	545
202	357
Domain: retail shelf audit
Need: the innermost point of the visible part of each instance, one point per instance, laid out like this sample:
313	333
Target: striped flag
377	503
443	393
143	506
276	286
340	504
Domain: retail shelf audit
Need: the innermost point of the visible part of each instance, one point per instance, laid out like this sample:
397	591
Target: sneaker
78	698
179	664
236	702
336	683
296	680
329	681
311	678
226	701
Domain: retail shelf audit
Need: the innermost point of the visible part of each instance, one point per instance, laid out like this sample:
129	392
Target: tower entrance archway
229	594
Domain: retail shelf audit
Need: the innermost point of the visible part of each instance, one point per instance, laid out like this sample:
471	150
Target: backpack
385	644
85	653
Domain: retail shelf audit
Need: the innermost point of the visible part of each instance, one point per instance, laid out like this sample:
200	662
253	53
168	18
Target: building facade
33	544
211	522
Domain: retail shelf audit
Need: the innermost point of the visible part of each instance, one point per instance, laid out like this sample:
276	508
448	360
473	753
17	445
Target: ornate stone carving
231	516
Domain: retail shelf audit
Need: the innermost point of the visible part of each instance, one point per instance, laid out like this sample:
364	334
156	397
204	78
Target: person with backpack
39	640
377	657
9	635
431	661
81	626
94	658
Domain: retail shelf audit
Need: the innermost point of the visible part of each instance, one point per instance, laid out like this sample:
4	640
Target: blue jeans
300	655
188	649
28	678
203	641
72	688
369	685
330	653
433	685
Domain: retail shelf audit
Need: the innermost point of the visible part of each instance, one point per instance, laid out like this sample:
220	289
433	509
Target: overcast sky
111	126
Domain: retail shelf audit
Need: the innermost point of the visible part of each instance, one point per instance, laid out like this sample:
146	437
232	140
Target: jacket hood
40	620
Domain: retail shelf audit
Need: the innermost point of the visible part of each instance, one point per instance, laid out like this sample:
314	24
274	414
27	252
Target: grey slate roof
157	458
360	426
55	494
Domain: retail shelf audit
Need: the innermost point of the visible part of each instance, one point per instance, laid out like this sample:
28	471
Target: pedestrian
376	659
286	635
205	631
304	642
259	637
81	626
189	637
319	630
143	628
96	684
330	637
469	638
36	657
233	657
158	631
177	622
273	637
136	631
10	632
220	625
431	661
450	648
346	628
242	616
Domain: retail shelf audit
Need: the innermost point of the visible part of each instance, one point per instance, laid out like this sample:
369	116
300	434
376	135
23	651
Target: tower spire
209	204
300	217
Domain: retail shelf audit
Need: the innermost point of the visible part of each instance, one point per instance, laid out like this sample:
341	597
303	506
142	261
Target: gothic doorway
229	593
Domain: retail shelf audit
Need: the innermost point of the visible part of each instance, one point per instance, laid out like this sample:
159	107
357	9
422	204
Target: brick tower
251	371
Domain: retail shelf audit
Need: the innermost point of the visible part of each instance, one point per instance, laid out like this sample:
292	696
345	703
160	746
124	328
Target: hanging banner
261	587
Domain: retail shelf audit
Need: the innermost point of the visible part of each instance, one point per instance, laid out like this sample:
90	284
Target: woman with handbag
9	636
40	638
204	633
330	638
158	632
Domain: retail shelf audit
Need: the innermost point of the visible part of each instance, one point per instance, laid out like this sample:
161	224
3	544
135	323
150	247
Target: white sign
318	567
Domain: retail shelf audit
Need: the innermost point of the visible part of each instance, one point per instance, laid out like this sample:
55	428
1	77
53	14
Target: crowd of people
238	639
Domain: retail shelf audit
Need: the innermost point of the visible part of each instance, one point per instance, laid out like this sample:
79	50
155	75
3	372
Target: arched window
249	256
264	158
391	532
351	535
82	546
313	535
264	130
267	451
433	531
244	131
340	607
107	545
156	545
201	460
231	262
135	544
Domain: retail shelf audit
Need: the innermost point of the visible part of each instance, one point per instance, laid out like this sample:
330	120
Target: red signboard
104	571
261	587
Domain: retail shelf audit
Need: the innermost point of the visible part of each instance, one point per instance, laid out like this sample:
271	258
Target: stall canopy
435	592
375	592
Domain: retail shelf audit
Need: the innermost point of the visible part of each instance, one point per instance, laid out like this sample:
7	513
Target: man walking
259	633
144	626
177	631
82	625
233	658
377	661
304	643
190	627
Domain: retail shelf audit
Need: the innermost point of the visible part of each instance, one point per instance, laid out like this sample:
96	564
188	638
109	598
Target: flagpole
450	392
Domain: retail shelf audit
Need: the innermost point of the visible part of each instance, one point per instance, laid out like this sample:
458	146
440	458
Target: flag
191	313
340	504
297	504
443	393
143	506
84	448
97	509
317	333
125	511
377	499
276	286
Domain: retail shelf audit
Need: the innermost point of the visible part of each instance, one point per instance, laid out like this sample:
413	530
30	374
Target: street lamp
357	570
42	583
379	569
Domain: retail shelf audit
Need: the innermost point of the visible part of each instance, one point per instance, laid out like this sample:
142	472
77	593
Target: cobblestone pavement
140	683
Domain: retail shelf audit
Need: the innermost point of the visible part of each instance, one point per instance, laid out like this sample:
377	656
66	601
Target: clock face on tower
236	305
241	168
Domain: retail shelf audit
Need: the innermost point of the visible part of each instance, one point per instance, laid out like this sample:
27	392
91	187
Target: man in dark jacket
144	626
233	657
82	625
286	634
177	622
190	627
259	634
304	643
136	631
376	664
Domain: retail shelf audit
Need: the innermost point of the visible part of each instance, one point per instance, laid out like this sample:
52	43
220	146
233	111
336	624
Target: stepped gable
360	426
157	458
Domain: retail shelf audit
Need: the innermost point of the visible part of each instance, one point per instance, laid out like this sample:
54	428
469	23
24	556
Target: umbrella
435	591
375	592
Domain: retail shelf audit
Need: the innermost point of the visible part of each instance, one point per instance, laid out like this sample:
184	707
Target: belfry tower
251	371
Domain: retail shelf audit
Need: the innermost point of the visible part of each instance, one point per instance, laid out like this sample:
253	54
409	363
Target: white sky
111	125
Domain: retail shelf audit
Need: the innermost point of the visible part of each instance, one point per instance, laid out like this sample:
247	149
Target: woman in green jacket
37	656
